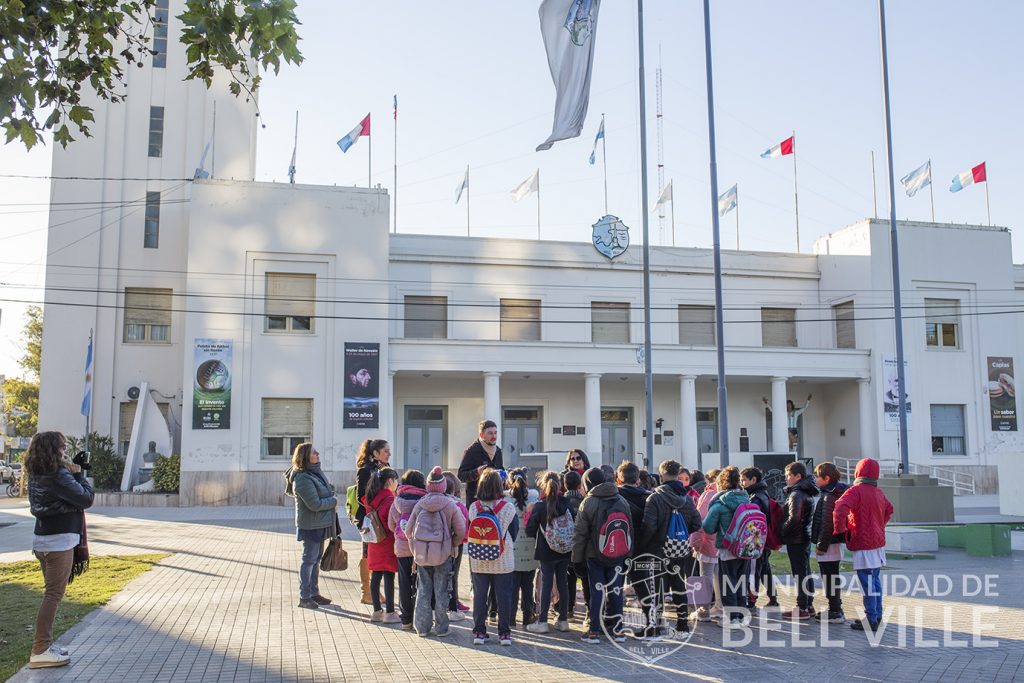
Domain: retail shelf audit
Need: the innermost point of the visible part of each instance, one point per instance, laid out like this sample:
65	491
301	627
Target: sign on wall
362	386
211	384
891	396
1002	396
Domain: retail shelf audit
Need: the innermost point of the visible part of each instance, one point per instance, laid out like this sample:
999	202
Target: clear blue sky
473	88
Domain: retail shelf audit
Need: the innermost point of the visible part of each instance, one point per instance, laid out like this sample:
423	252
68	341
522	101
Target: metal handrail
962	483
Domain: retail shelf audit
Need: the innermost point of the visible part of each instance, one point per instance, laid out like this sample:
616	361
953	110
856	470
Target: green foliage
107	465
167	474
52	48
21	405
32	337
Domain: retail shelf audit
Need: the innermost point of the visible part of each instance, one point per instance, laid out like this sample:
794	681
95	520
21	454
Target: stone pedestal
904	539
918	498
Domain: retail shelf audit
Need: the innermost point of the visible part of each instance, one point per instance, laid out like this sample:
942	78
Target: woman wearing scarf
316	519
59	494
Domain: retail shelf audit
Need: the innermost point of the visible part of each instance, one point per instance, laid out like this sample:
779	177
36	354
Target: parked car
6	472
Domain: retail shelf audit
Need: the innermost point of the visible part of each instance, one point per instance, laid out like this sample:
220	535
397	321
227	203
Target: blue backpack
677	538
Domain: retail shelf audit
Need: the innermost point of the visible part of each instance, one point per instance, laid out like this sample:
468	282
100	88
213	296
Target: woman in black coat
374	454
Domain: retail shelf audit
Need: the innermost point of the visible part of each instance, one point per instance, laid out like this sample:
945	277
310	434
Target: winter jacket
601	501
363	475
703	507
57	501
637	499
798	511
759	496
509	523
465	513
451	517
575	499
405	501
822	534
472	459
721	512
525	548
697	481
536	523
863	511
315	502
660	505
380	556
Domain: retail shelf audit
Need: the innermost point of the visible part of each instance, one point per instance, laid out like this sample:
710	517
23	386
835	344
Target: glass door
426	436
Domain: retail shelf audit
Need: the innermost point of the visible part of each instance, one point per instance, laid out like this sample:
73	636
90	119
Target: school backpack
559	533
352	501
775	516
400	528
485	539
372	530
615	537
747	532
431	539
677	538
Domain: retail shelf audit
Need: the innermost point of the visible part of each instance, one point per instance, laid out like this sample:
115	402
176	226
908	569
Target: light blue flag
597	138
87	394
728	201
918	179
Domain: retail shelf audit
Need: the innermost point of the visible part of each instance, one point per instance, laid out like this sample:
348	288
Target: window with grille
696	325
520	319
126	420
290	302
609	322
942	323
778	327
151	231
844	317
287	422
426	317
156	131
147	315
159	47
948	437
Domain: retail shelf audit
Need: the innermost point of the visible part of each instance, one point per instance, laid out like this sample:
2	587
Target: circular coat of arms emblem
611	236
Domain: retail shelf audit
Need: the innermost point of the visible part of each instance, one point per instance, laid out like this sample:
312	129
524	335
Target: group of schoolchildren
608	528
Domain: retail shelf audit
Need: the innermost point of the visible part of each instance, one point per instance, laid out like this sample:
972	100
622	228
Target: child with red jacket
380	556
862	513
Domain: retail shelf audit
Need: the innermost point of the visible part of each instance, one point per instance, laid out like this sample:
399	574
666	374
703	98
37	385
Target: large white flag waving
527	187
569	28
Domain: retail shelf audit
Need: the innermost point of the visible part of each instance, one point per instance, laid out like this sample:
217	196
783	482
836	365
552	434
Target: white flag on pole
463	186
568	29
666	196
727	201
527	187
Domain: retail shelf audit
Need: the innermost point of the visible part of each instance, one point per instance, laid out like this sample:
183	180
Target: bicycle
14	487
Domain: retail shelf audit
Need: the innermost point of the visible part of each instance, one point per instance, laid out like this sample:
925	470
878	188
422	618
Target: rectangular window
159	47
520	319
147	315
778	327
126	420
287	422
696	325
609	322
942	323
948	437
844	316
290	302
156	131
426	317
151	232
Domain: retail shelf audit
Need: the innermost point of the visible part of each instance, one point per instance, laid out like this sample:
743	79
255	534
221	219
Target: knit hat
593	477
436	483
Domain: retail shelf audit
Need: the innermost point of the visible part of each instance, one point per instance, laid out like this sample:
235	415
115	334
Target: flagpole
604	163
931	188
467	201
369	158
673	216
874	189
987	208
737	218
88	413
395	190
538	204
796	196
894	249
295	146
723	405
648	374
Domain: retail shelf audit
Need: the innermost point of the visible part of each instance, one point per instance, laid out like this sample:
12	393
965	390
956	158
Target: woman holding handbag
315	519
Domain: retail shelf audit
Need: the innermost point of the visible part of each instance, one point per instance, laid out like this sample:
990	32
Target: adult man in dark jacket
796	534
481	454
661	504
751	479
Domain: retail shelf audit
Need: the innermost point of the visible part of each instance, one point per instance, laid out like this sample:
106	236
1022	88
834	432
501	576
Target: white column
592	416
780	421
867	423
492	399
688	419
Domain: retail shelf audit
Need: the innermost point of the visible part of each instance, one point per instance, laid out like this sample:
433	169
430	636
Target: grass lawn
780	563
21	591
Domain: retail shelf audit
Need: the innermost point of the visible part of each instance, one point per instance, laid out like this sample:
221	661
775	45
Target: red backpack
775	517
615	537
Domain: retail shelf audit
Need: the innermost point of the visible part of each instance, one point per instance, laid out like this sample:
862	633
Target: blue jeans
871	585
432	589
554	573
502	585
309	570
605	580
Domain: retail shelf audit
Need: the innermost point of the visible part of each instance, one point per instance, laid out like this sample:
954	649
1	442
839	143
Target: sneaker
821	615
321	600
797	614
308	604
53	657
480	638
836	617
378	616
463	608
859	625
505	638
702	614
423	634
619	637
455	616
444	634
392	618
538	627
591	638
562	626
407	627
806	614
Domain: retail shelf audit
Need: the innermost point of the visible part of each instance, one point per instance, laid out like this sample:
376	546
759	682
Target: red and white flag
785	147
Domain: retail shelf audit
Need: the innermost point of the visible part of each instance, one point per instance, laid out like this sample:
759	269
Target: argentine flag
727	201
918	179
87	394
597	138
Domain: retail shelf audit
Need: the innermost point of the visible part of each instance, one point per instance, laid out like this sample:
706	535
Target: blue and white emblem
579	21
611	236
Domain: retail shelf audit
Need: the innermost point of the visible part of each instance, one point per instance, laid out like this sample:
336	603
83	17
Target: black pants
389	590
654	590
453	602
523	593
732	575
763	576
406	589
800	563
573	578
831	580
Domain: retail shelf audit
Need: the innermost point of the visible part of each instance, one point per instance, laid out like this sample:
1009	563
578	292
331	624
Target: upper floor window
696	325
160	17
520	319
287	422
290	302
156	131
609	322
778	327
844	317
942	323
151	224
147	315
426	317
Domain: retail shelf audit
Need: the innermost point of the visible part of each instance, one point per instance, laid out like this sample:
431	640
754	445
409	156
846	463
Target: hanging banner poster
891	397
211	384
1002	396
362	386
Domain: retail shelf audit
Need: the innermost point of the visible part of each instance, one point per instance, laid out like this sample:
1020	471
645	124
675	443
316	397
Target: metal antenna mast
661	153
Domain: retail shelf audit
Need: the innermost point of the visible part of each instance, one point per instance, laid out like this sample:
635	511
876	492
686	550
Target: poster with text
891	393
1002	396
211	384
362	386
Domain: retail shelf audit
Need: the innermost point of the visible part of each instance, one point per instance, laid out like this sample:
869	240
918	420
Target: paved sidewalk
222	608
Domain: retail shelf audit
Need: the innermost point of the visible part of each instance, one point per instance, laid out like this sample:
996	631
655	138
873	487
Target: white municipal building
541	337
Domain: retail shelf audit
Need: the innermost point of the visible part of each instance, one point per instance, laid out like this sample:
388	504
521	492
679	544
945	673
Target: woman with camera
315	518
59	494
